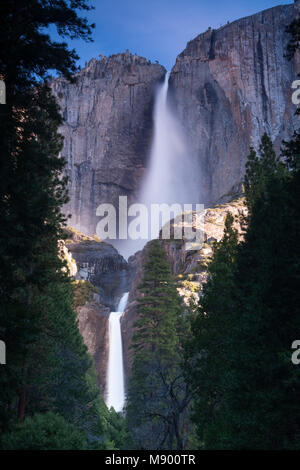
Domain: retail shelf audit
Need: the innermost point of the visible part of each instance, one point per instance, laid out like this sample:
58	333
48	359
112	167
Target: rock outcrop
101	275
93	326
100	264
107	132
231	85
188	267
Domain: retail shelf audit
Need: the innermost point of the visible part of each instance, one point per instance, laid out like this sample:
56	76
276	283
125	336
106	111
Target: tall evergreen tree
250	400
158	397
260	168
48	368
262	394
206	351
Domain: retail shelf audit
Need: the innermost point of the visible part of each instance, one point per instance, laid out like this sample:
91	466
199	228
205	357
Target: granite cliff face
93	326
230	86
107	132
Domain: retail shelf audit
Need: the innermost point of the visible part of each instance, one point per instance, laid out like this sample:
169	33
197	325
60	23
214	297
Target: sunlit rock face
230	86
107	132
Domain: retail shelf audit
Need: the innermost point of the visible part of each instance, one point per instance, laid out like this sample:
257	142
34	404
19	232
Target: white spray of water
172	176
115	372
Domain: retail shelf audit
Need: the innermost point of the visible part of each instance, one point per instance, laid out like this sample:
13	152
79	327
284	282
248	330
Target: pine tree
206	352
249	315
263	409
48	368
259	169
291	153
46	431
158	397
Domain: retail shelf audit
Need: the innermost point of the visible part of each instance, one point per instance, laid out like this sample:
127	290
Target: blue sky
159	29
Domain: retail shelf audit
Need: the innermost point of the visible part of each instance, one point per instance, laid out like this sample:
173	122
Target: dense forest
215	375
48	393
237	383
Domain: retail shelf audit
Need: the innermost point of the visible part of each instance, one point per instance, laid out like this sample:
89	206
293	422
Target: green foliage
46	431
158	397
32	53
246	386
260	168
291	152
49	379
239	357
117	429
159	305
83	292
206	351
266	412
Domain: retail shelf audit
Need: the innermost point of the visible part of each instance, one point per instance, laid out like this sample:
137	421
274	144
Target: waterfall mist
172	176
115	371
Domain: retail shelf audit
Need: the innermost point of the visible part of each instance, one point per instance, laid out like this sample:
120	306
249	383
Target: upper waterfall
172	176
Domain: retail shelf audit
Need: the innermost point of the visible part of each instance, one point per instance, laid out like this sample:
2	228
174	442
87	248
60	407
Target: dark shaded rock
93	326
102	265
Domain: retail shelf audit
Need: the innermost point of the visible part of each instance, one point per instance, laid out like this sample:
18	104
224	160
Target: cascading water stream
172	173
115	371
172	176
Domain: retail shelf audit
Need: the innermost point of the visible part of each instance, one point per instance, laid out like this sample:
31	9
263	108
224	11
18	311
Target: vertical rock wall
230	86
107	132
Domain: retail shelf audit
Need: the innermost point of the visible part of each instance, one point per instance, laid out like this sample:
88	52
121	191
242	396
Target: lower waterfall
115	371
